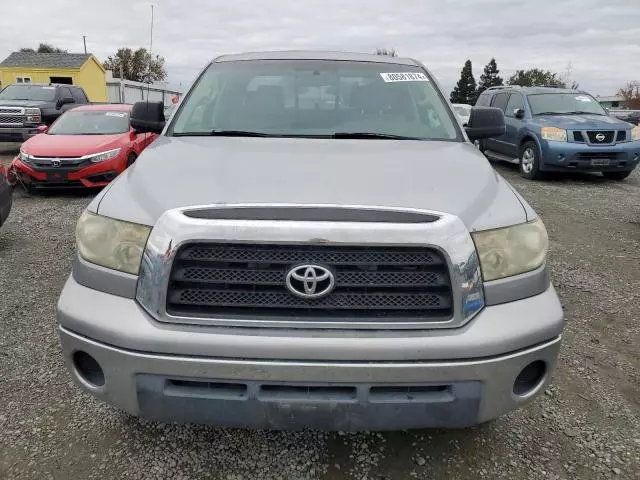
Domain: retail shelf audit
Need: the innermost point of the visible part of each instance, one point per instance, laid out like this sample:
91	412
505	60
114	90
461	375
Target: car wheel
617	175
131	159
530	161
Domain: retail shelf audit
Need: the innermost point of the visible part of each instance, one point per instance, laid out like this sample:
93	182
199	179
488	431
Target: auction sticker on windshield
404	77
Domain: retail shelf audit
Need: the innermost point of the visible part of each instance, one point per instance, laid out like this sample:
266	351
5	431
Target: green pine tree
489	77
465	89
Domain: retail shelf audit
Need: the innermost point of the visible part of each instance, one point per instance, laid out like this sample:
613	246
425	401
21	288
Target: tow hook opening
530	378
88	369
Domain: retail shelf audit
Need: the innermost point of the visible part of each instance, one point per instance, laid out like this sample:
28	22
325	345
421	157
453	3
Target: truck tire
530	161
617	175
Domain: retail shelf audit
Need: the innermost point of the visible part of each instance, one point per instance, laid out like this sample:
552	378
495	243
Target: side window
516	101
65	93
79	95
500	100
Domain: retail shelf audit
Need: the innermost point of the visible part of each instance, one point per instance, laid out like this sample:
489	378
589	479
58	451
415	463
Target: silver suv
313	241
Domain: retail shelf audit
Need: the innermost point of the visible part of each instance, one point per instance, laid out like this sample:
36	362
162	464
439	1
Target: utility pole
121	84
84	40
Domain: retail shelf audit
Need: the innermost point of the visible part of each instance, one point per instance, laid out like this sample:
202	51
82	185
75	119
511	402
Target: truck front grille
12	120
608	136
217	280
11	110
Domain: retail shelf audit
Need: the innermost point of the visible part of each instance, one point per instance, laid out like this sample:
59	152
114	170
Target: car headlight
33	115
512	250
24	156
101	157
554	133
635	133
111	243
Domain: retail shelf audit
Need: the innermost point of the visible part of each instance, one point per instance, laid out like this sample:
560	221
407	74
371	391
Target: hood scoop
311	213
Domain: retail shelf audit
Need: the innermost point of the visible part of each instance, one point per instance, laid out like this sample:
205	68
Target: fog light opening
530	378
88	369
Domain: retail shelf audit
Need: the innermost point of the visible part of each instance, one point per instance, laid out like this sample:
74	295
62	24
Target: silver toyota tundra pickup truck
313	241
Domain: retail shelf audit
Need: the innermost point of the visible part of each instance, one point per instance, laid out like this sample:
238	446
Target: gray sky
600	39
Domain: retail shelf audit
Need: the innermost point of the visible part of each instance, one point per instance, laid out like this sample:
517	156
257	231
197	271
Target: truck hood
451	177
25	103
582	122
45	145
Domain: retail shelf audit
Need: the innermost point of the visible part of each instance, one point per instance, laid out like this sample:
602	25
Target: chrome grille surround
447	234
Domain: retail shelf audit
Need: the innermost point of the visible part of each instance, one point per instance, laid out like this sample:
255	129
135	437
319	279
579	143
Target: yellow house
80	69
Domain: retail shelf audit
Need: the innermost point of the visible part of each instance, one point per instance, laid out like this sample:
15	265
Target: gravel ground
586	426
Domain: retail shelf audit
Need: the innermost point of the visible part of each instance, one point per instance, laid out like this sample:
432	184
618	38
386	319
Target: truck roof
316	55
37	84
106	107
533	90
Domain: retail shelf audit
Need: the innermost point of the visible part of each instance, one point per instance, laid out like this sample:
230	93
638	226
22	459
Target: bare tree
631	94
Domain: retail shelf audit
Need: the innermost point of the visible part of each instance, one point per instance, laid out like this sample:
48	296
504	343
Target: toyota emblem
600	137
310	281
56	163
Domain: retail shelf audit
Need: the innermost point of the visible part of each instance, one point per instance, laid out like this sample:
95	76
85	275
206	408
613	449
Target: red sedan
86	147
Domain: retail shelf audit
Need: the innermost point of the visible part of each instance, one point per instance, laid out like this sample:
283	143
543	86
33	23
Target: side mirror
42	129
64	101
132	134
147	117
485	122
518	113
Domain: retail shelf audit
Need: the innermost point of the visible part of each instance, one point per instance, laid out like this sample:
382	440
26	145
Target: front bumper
347	381
17	134
92	176
560	156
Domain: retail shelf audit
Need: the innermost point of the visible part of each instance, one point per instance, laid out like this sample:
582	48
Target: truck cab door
498	144
514	119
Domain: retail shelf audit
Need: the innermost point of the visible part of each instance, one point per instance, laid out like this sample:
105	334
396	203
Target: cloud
601	40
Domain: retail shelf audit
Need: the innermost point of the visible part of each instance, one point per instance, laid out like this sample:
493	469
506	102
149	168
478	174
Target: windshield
316	98
559	103
91	123
28	92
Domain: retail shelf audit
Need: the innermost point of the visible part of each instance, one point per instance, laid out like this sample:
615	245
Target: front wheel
530	161
617	175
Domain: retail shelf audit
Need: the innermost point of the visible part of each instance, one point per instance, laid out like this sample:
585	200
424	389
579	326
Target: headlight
635	133
509	251
33	115
111	243
101	157
554	133
24	156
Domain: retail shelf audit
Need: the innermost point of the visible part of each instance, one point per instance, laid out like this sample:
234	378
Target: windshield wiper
550	113
230	133
239	133
222	133
381	136
582	112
